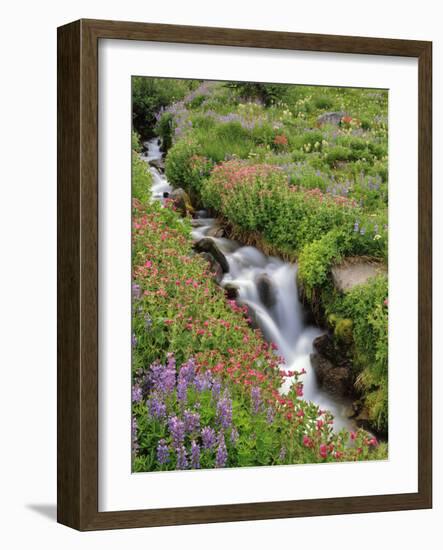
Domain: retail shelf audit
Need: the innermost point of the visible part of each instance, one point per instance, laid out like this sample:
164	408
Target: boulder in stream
158	164
231	291
216	231
207	244
214	266
336	381
202	214
266	290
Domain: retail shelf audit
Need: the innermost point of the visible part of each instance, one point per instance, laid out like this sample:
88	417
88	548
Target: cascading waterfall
283	319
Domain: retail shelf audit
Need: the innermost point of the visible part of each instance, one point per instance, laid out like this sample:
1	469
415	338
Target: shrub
185	167
316	258
323	102
337	154
256	197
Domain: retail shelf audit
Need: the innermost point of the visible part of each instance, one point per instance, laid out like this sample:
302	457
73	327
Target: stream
283	320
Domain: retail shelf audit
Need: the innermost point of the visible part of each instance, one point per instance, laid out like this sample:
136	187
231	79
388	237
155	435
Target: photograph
259	274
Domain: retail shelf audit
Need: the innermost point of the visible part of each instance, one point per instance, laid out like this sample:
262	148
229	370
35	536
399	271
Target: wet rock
182	201
324	345
331	118
216	231
196	222
209	245
363	420
231	291
266	290
338	353
214	266
336	381
252	316
355	271
348	411
202	214
158	164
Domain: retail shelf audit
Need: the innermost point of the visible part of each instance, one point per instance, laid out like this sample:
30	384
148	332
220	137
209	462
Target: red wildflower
323	450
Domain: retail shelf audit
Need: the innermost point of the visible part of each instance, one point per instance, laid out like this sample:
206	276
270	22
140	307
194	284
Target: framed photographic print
244	275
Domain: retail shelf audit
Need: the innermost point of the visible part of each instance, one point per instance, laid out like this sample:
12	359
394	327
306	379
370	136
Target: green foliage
225	140
316	258
135	142
186	167
366	306
149	95
344	330
337	154
267	93
323	102
164	130
141	179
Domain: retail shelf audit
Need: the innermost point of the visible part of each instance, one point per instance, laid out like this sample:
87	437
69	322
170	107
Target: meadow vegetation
301	172
206	385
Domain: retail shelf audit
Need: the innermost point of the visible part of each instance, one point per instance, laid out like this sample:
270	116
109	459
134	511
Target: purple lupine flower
202	381
182	461
162	452
224	412
208	437
170	360
222	454
136	291
195	455
135	445
192	421
177	429
270	414
137	393
163	376
156	408
234	435
256	399
182	389
134	340
216	388
282	454
362	231
356	227
187	371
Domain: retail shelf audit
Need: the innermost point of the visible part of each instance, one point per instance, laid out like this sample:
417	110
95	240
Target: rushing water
283	319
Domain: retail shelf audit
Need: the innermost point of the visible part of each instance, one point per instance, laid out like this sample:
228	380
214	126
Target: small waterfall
282	318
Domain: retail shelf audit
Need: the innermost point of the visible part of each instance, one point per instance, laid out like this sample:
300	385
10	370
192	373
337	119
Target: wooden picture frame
77	480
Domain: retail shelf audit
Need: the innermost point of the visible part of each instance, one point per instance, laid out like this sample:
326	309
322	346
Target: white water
284	323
